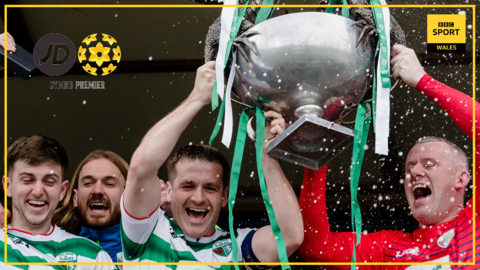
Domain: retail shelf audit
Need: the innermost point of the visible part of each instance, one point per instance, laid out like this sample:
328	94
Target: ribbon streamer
235	175
345	12
264	13
281	249
236	23
226	20
362	126
382	81
228	124
219	74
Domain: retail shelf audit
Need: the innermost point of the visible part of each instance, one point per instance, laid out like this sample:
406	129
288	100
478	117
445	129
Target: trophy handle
251	133
369	111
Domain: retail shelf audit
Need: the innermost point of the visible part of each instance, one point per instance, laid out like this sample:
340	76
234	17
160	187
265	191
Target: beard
99	222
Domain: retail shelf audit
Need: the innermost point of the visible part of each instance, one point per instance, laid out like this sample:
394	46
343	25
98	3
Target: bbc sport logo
446	33
55	54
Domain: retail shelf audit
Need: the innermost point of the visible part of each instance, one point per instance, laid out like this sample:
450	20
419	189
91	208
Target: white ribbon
226	24
228	121
383	96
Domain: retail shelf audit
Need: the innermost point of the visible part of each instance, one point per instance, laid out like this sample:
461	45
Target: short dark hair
199	152
37	149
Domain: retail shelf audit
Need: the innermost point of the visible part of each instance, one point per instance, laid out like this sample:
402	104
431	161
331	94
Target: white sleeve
135	232
241	235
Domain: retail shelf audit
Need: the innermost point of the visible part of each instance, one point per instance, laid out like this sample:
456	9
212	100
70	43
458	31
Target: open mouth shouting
196	215
421	191
98	207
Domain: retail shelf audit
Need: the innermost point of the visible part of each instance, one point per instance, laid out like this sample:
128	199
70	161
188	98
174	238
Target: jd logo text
54	54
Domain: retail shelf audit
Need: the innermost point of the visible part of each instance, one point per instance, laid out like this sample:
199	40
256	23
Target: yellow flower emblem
92	37
99	54
116	54
90	70
81	54
108	39
108	69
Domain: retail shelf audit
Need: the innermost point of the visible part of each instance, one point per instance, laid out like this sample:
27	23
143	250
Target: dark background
141	91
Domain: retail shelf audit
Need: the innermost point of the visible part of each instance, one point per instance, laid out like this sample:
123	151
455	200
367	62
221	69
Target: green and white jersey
57	246
158	239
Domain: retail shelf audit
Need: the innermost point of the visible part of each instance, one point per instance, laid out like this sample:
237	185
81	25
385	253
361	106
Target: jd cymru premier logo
55	54
99	54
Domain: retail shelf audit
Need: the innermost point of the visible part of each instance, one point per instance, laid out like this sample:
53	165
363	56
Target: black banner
446	48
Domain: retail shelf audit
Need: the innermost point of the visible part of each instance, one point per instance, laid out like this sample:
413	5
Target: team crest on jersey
67	257
223	247
445	239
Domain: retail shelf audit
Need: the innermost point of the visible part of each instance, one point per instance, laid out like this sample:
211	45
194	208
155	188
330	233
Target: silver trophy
308	67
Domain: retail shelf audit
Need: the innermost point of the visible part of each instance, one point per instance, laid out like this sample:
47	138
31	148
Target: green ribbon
235	176
236	22
233	34
359	141
260	133
264	13
378	16
383	49
218	124
362	125
345	12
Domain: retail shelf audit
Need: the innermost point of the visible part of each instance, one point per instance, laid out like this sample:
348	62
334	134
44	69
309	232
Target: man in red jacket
435	181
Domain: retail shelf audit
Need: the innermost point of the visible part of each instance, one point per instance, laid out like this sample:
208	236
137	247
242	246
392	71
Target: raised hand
405	65
204	81
274	128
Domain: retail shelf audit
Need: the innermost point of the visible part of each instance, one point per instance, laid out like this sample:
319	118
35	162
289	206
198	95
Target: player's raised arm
284	202
458	105
141	194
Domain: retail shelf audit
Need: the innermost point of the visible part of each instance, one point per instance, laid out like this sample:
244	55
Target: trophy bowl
308	67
